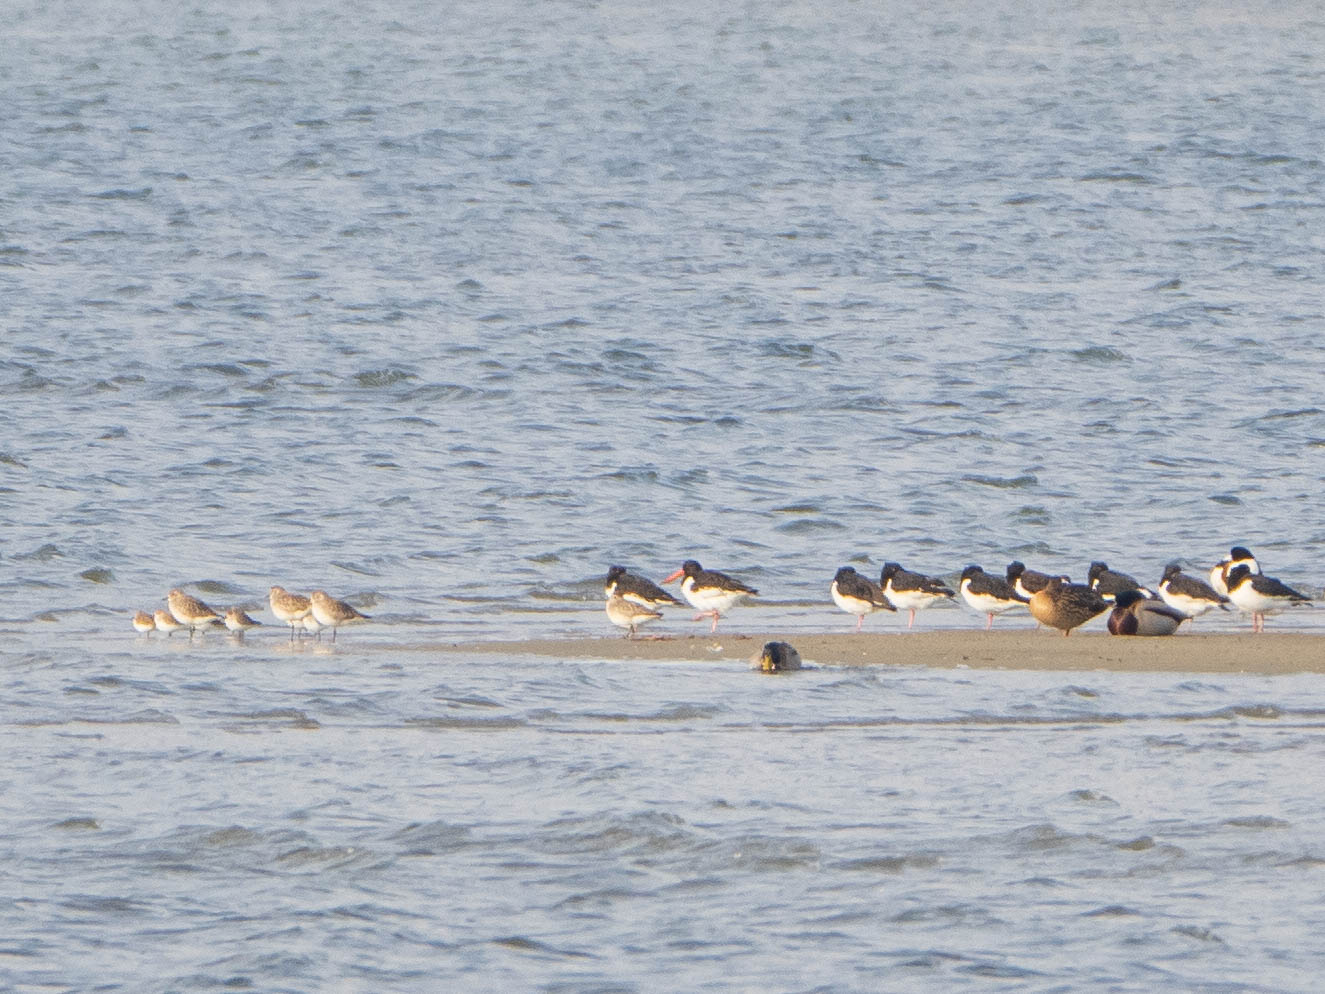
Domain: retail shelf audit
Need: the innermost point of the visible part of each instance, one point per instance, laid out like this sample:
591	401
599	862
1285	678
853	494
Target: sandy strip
1272	652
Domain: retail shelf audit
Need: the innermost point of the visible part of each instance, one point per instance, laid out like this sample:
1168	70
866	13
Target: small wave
148	716
441	392
376	379
1112	176
646	833
431	838
1259	822
798	509
1087	796
524	944
1112	911
1004	482
805	526
86	824
677	712
888	864
999	971
285	717
119	906
1097	354
320	856
219	587
1140	844
44	554
1025	199
1198	933
446	723
142	193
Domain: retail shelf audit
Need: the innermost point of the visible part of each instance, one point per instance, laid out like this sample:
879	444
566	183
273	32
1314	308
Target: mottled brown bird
1065	605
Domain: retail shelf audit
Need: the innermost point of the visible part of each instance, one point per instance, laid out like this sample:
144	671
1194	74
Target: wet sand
1289	652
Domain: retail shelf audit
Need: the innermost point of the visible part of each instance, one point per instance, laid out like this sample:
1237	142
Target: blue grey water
445	308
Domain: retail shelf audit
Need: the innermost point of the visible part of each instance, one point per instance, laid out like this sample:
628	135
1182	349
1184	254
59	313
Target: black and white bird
637	589
1026	581
1259	595
1237	556
1110	583
1187	594
857	595
990	595
912	591
710	592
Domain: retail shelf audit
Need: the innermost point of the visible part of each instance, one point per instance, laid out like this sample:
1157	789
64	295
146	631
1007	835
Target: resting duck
1136	614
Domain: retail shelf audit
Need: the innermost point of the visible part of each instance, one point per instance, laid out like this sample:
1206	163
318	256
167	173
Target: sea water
445	308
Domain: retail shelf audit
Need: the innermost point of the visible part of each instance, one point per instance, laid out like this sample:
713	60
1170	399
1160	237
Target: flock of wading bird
309	614
1236	581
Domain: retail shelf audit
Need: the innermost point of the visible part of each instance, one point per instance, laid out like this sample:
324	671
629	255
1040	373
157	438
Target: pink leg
990	622
911	619
716	616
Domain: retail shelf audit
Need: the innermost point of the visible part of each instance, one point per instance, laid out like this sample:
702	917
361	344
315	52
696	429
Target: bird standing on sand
638	589
1260	595
1237	556
331	613
289	608
1189	595
1136	614
856	595
1065	605
190	611
990	595
1026	581
912	591
1110	583
709	591
628	614
776	657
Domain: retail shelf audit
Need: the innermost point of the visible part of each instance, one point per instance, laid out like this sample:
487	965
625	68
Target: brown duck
1065	605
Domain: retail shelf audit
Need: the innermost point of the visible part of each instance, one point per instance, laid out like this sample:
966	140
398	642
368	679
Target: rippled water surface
373	821
445	308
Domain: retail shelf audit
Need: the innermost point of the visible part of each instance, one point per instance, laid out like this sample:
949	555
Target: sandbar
1267	653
